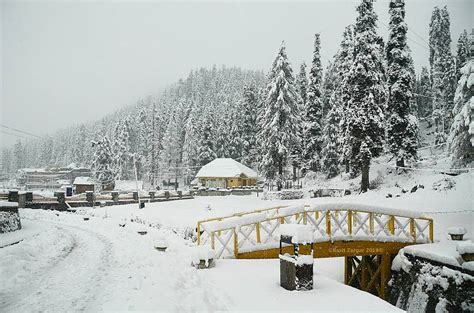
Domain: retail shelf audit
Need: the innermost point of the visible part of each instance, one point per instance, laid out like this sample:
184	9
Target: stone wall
422	285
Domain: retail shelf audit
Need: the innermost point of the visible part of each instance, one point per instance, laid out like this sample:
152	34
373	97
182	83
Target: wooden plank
329	249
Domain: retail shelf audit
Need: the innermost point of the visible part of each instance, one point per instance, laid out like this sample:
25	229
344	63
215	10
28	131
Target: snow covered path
73	279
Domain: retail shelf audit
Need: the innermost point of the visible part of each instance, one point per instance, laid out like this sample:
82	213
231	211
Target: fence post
213	246
391	224
349	222
371	223
328	223
431	230
412	229
257	230
236	244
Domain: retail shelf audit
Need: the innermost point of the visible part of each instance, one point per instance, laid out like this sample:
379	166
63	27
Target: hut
83	184
226	173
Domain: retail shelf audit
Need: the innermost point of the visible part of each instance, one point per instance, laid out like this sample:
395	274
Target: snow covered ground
64	263
70	264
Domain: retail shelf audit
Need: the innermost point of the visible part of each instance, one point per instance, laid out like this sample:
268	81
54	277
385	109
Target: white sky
64	63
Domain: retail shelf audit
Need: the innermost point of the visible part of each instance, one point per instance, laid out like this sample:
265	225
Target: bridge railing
259	229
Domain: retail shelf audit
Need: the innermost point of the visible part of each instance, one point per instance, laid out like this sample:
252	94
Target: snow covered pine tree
461	136
401	125
313	128
279	120
367	94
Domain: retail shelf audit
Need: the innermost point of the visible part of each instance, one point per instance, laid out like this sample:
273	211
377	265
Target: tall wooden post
385	274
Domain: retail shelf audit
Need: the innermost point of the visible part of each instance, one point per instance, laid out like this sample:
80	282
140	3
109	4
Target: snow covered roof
81	180
128	185
225	167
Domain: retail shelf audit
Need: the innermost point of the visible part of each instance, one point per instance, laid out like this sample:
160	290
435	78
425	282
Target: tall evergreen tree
302	86
313	128
461	136
330	152
443	73
401	140
423	93
102	162
345	60
367	94
122	150
249	124
462	53
205	151
279	120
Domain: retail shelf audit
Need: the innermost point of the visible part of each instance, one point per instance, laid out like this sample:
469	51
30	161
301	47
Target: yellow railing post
328	223
305	218
371	223
391	225
431	230
199	233
212	241
257	230
282	220
236	244
412	229
349	222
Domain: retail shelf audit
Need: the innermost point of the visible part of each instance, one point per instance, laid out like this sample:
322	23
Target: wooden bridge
367	236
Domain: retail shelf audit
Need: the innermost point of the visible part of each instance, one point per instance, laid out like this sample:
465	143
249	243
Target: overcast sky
66	63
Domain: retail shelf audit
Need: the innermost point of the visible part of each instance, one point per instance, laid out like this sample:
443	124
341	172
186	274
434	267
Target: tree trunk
280	175
364	184
347	166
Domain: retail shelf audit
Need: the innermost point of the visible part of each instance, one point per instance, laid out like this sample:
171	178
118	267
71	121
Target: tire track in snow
74	282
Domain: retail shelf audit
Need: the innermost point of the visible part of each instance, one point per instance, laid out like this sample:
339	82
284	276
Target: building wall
84	188
229	182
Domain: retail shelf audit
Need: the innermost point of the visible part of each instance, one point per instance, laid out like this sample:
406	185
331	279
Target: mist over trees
368	102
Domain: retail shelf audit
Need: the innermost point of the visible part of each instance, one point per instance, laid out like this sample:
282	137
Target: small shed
226	173
83	184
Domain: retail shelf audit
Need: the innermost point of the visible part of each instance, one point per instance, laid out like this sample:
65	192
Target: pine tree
329	86
205	153
302	88
249	124
462	53
341	97
313	128
443	72
423	90
366	80
278	135
102	162
122	150
401	140
330	151
461	136
439	108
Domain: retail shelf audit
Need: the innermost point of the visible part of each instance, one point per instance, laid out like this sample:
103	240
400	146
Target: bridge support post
369	273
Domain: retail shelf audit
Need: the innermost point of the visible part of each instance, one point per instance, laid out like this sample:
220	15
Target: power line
20	136
24	132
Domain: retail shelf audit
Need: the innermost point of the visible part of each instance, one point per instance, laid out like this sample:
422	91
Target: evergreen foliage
401	124
279	133
313	128
366	81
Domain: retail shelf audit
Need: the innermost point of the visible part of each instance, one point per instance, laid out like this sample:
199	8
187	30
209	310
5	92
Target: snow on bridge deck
340	229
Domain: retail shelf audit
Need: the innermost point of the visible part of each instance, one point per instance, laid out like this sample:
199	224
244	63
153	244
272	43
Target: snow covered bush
418	285
9	221
283	195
